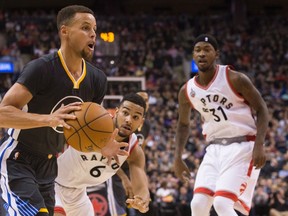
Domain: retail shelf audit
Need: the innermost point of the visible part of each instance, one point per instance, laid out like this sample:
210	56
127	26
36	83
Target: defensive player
120	184
228	173
78	170
35	109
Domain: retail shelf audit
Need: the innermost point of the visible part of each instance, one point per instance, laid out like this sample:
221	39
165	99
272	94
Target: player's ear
63	30
116	110
217	54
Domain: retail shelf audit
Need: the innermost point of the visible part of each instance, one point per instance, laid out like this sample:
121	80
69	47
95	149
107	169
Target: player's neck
205	78
74	64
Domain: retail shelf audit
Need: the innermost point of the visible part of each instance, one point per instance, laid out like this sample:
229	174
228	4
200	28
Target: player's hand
58	117
259	156
139	203
181	170
114	148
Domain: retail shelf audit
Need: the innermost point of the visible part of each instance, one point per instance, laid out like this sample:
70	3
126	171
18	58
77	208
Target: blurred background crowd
158	47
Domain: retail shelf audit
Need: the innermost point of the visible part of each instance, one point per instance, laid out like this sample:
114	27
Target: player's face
129	116
204	56
81	37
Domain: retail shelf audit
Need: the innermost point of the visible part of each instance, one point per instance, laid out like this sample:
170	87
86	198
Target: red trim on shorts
60	210
250	168
244	205
203	190
251	137
227	194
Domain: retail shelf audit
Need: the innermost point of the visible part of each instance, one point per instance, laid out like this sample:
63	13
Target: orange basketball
92	128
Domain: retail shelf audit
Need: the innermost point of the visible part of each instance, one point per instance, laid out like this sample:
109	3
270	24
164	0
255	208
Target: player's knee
59	211
197	204
222	204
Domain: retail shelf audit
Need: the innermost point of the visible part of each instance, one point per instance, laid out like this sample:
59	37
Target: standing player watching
37	104
228	173
79	170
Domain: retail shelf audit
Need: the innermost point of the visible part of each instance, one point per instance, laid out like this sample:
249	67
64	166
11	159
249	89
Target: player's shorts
107	198
74	201
227	170
116	197
27	180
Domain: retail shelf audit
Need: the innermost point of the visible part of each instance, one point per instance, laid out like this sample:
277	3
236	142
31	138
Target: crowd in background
156	47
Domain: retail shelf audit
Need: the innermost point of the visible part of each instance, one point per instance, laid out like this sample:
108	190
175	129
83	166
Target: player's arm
126	183
243	85
139	180
12	116
182	134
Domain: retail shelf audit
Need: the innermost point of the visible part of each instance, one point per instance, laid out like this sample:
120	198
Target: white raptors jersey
224	112
81	169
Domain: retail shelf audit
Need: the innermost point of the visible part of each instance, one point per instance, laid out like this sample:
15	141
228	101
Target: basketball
91	130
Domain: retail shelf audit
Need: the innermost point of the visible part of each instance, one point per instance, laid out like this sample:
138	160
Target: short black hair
66	14
136	99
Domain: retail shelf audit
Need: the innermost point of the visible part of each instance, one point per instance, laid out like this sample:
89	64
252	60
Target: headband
208	39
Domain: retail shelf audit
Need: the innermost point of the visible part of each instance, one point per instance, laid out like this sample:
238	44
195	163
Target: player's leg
201	204
46	182
244	202
58	209
224	206
116	197
205	184
18	183
236	167
75	201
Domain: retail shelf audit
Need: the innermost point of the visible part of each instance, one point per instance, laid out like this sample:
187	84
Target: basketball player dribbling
228	173
79	170
35	109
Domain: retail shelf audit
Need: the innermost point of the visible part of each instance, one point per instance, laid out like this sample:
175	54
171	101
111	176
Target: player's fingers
64	124
122	144
109	161
78	103
69	109
114	134
116	159
123	152
186	176
138	203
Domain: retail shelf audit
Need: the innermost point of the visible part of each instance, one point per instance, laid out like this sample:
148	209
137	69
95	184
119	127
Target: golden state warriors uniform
25	151
222	108
79	170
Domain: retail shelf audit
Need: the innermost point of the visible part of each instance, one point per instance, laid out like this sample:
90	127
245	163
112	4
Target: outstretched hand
114	148
181	170
139	203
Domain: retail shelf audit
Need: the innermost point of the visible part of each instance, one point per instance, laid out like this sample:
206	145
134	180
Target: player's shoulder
96	72
238	79
43	59
133	138
91	67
